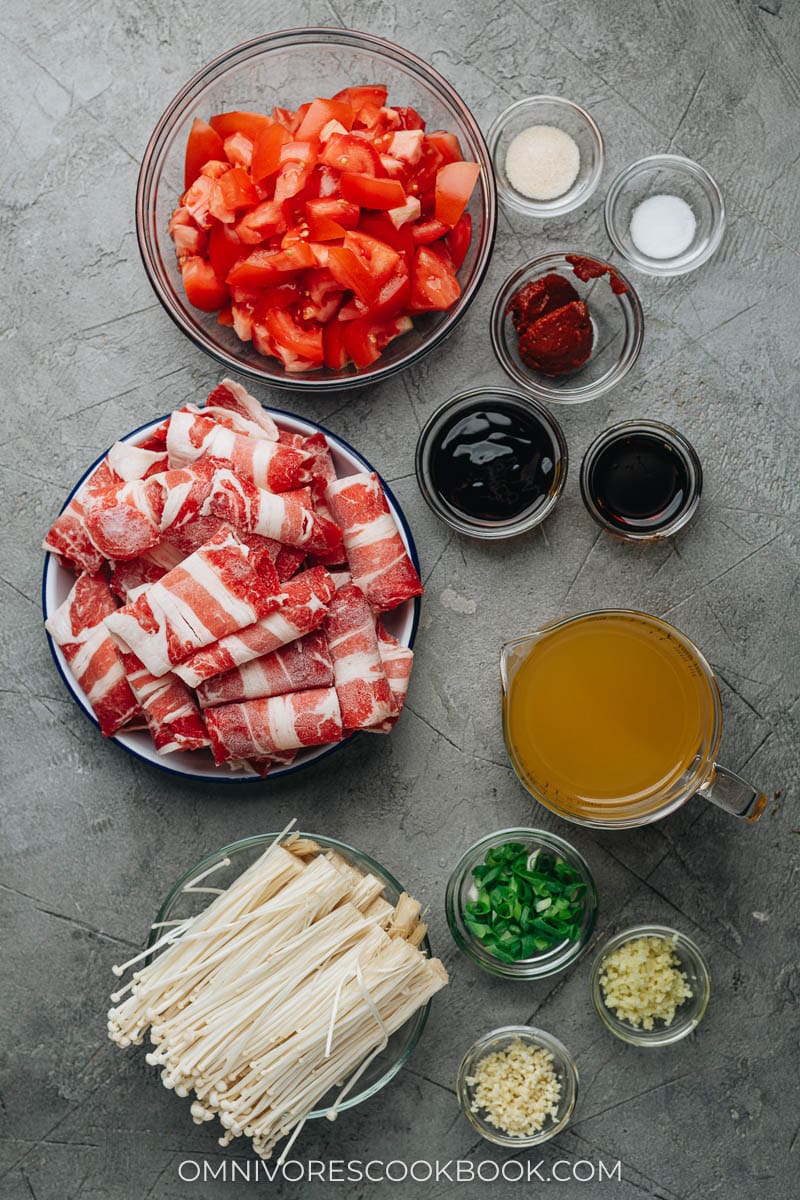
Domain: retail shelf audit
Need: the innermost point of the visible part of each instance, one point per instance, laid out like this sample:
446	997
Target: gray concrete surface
92	839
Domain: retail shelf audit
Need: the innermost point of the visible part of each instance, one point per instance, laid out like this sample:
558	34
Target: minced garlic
517	1088
642	981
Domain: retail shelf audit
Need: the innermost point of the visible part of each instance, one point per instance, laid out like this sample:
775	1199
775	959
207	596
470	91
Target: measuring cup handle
735	795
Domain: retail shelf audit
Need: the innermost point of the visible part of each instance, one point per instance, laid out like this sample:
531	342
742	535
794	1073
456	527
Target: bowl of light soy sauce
491	463
641	480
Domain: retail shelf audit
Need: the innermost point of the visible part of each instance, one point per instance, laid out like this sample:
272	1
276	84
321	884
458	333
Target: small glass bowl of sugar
547	154
665	214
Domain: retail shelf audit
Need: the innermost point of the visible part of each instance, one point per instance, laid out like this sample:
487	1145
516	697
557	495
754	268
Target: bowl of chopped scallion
521	903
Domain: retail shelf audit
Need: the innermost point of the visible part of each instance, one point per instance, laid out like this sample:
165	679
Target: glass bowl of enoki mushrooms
287	977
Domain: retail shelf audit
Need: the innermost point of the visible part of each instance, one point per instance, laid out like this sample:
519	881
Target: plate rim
51	563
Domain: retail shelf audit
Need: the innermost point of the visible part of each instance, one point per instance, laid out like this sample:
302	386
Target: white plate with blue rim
57	581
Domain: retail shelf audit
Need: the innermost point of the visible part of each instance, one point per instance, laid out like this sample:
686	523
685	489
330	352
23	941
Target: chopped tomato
424	232
224	249
203	289
239	150
294	341
459	238
237	189
447	145
320	112
248	123
341	211
347	268
434	287
366	94
267	150
380	260
347	152
315	232
336	355
410	118
454	184
372	193
204	144
264	267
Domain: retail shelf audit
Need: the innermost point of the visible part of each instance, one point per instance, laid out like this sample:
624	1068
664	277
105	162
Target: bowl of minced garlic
518	1086
650	985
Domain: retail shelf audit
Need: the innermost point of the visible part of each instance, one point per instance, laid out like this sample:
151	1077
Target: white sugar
542	162
663	226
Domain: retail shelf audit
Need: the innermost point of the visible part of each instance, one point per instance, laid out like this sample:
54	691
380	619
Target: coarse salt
663	226
542	162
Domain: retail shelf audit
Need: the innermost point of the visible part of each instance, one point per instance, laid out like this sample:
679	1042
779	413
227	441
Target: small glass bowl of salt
665	214
547	154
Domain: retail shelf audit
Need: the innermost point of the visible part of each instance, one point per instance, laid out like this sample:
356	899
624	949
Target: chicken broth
606	714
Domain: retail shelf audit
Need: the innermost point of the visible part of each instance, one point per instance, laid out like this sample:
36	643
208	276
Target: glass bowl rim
534	386
419	1019
681	164
684	447
526	969
150	170
511	528
531	1035
545	208
669	1034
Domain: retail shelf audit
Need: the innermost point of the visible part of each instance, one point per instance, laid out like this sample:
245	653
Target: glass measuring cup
613	718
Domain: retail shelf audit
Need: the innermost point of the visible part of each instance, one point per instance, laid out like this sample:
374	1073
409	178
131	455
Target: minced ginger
642	981
517	1088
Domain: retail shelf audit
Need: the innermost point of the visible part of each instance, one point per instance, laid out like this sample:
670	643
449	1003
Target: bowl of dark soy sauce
491	463
641	480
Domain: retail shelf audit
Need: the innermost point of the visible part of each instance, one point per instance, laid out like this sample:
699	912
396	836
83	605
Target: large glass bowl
237	857
285	69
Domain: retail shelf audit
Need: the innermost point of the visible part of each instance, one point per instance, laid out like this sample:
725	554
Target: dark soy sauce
639	482
493	462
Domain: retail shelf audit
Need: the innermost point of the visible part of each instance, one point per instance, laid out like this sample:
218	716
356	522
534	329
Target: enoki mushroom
287	985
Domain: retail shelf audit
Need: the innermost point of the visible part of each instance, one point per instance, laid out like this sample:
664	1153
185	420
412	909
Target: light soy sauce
493	462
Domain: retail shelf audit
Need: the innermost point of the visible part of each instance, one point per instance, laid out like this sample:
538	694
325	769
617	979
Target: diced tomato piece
336	356
341	211
395	169
379	225
267	151
242	321
379	259
366	338
299	152
323	183
297	119
248	123
293	340
323	295
292	178
434	287
353	154
203	289
239	150
376	119
410	118
224	249
454	184
406	214
264	267
323	229
447	144
425	232
350	272
406	145
204	144
189	240
320	112
216	168
285	117
366	94
372	193
217	207
237	189
225	315
459	238
278	295
262	222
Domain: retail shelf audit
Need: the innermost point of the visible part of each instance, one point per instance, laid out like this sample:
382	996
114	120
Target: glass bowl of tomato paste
392	322
567	327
